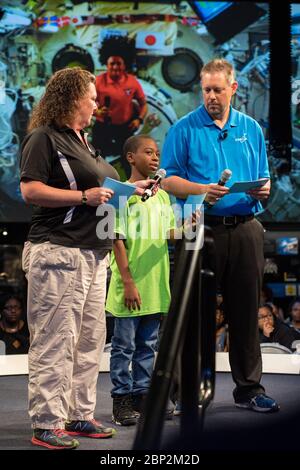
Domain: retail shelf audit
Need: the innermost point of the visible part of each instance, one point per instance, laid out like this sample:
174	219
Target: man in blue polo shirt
196	151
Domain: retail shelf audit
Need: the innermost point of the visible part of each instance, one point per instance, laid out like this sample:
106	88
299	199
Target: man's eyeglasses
268	315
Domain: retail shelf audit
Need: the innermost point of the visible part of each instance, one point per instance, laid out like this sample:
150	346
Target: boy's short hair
133	143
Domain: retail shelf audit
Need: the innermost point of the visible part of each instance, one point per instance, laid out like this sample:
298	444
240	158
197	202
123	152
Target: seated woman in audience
13	329
222	342
273	330
266	297
294	315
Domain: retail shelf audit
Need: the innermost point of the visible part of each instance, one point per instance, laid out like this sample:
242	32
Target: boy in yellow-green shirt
139	287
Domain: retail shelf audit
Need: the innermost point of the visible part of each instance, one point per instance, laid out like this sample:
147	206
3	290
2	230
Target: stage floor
226	427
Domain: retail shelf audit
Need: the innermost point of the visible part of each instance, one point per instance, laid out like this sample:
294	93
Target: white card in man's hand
244	186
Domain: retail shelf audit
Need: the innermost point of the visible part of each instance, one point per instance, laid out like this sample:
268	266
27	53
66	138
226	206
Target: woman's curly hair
59	102
121	46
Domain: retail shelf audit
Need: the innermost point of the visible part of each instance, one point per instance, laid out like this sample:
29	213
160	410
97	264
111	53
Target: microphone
107	119
225	176
159	175
223	135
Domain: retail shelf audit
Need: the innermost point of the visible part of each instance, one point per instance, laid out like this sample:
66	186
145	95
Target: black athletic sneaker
138	403
55	439
123	413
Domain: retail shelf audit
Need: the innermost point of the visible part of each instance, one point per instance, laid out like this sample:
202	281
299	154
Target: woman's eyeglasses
268	315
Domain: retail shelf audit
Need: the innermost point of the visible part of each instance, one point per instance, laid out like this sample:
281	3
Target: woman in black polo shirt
65	261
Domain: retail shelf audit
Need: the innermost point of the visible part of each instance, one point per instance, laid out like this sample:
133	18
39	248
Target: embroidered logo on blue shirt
241	139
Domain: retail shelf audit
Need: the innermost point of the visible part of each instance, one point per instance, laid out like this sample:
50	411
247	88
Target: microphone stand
186	331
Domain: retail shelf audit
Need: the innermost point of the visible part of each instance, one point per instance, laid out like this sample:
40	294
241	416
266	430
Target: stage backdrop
171	43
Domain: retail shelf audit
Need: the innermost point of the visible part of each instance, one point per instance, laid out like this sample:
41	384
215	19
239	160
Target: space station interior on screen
171	43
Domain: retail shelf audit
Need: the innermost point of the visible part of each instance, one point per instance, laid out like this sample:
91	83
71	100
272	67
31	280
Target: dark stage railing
189	336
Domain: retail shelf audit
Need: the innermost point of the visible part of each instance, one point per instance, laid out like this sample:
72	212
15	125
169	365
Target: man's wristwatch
83	197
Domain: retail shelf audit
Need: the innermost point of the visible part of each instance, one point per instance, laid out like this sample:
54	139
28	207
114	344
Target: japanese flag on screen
149	40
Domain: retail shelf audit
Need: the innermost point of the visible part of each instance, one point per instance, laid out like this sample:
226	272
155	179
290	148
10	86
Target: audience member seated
11	266
278	312
222	342
293	319
273	330
266	297
13	329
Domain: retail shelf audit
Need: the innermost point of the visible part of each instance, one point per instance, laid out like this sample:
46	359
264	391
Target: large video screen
283	207
209	10
284	204
171	40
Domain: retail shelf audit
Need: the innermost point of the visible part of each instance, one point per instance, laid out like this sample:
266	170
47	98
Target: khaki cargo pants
66	319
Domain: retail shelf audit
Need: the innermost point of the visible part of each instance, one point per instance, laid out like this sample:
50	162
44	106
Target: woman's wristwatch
83	197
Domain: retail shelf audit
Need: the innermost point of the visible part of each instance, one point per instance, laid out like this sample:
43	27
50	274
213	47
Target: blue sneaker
260	403
88	429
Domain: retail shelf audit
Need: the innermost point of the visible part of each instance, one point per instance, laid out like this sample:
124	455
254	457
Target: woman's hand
134	124
96	196
40	194
268	328
102	112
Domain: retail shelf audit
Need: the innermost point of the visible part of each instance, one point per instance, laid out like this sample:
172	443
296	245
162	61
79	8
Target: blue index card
192	203
122	191
244	186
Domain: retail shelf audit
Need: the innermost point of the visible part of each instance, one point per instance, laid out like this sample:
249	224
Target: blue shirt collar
208	121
